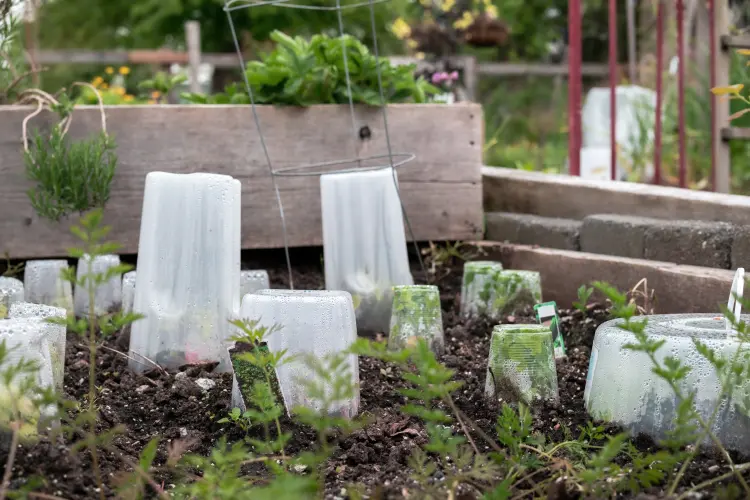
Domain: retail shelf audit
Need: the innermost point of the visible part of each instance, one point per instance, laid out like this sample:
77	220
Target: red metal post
712	45
681	89
613	88
659	90
575	86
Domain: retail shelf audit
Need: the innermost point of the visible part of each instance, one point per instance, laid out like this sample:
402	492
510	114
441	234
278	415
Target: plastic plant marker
252	281
11	291
546	314
521	364
309	322
621	387
477	288
364	244
43	284
416	314
735	293
187	281
108	296
516	290
27	339
247	374
56	334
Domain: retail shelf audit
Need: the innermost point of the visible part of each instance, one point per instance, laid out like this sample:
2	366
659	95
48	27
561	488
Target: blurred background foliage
526	117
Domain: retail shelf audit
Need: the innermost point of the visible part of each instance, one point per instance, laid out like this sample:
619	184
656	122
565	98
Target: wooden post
720	61
193	44
632	56
31	38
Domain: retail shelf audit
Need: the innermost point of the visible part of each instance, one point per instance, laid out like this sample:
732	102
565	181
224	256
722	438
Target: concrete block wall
719	245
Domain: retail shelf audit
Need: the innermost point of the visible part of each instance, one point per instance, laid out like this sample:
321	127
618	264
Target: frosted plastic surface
621	388
43	284
11	291
187	284
521	364
252	281
515	290
318	322
128	291
108	296
634	105
29	340
477	287
55	333
364	243
416	314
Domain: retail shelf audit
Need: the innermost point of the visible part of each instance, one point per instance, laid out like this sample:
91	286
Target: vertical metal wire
712	72
613	89
681	90
659	90
383	105
264	147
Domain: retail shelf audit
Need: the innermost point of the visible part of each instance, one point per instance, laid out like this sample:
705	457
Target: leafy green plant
92	235
162	84
584	294
302	72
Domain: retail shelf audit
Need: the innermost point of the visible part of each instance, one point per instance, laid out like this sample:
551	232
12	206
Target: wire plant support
356	163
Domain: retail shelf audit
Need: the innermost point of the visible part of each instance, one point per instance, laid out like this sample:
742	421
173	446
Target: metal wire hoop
302	171
234	5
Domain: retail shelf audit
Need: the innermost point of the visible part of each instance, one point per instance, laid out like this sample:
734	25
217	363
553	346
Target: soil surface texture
184	407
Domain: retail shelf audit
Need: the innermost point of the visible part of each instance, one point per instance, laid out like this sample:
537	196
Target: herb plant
302	72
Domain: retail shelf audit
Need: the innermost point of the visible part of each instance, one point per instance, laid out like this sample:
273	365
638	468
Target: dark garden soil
184	413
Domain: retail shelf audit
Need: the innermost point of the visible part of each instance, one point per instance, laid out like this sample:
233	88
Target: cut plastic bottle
27	339
187	283
252	281
622	388
477	288
416	315
364	243
128	291
43	284
108	297
55	333
310	322
11	291
521	364
516	290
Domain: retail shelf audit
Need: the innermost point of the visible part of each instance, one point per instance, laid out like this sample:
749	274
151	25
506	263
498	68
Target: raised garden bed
441	188
376	457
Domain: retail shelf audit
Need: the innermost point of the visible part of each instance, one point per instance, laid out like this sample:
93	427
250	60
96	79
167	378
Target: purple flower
454	75
436	78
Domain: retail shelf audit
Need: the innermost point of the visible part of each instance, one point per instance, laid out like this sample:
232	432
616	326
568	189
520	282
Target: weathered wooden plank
732	133
441	188
549	195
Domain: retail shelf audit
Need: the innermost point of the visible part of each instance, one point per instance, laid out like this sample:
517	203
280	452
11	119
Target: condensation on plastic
252	281
28	339
43	284
516	290
364	243
56	333
621	387
11	291
477	287
187	282
128	291
521	364
108	297
416	314
316	322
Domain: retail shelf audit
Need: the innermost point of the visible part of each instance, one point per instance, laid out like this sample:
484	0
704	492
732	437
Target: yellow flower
426	3
419	55
124	70
127	97
109	70
465	21
412	44
151	101
400	29
118	90
491	11
732	89
744	52
155	94
97	81
448	5
104	86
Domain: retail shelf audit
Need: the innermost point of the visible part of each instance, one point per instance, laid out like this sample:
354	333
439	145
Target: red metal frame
659	90
681	90
575	86
613	88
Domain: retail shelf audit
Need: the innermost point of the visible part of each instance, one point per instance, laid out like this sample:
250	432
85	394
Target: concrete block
548	232
741	247
694	243
611	234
